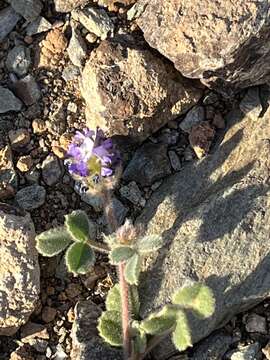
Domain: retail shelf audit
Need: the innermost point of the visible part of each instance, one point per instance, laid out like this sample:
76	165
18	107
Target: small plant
95	160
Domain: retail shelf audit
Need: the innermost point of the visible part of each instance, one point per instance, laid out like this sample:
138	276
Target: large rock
29	9
19	269
223	43
8	101
8	20
130	91
214	217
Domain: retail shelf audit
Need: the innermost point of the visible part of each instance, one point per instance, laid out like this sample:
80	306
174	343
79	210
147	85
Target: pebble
248	352
33	330
8	101
169	137
193	117
73	290
25	163
52	170
91	38
266	351
31	197
48	314
39	126
94	20
8	20
72	107
70	72
38	26
77	49
201	137
256	323
132	193
19	60
27	90
175	161
19	138
8	176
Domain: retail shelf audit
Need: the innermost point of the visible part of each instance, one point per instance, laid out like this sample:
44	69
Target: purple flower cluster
92	155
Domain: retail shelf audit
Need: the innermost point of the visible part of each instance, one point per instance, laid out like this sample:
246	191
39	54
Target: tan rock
19	138
39	126
25	163
130	91
19	269
201	137
68	5
8	176
113	5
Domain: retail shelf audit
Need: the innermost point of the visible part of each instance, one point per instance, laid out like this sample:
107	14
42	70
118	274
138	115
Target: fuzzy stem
98	246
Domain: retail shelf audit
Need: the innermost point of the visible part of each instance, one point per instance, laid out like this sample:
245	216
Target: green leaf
160	322
113	300
121	253
149	243
181	336
138	337
110	327
52	242
132	270
79	258
196	297
78	225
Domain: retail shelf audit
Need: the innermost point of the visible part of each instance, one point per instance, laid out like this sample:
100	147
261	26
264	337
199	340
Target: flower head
91	156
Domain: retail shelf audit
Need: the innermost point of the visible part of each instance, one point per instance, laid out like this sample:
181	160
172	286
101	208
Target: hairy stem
125	310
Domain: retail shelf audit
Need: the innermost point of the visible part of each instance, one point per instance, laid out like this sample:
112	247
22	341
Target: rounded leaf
121	253
110	327
52	242
196	297
160	322
113	300
79	258
132	270
77	224
181	336
149	243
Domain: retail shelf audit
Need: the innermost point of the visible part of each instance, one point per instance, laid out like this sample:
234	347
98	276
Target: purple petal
106	171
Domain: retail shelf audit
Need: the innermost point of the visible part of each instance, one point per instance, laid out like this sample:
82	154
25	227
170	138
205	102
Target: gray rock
175	161
120	211
251	103
31	197
193	117
8	101
149	164
27	90
214	217
132	193
213	41
19	268
8	176
29	9
256	323
94	20
8	20
86	343
52	170
70	72
38	26
249	352
19	60
77	49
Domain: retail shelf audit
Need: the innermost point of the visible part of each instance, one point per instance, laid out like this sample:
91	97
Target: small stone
251	103
91	38
219	121
51	170
19	60
31	197
29	9
73	290
8	176
25	163
149	164
193	117
22	353
70	73
189	154
70	315
120	211
32	330
40	345
169	137
48	314
200	138
32	176
38	26
39	126
8	20
77	49
256	323
19	138
27	90
133	194
58	151
94	20
175	161
266	351
72	107
249	352
8	101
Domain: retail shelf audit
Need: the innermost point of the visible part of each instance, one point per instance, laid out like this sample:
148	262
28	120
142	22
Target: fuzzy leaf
110	327
138	337
158	323
110	240
78	225
79	258
149	243
132	270
52	242
196	297
181	336
121	253
113	300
